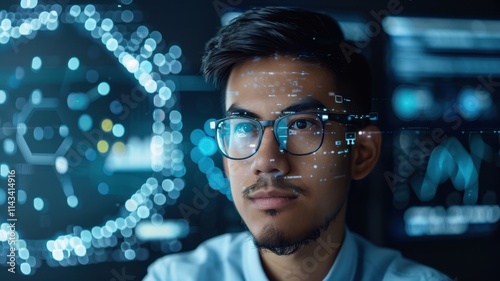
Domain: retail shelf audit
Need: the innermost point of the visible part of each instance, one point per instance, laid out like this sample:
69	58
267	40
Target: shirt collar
344	267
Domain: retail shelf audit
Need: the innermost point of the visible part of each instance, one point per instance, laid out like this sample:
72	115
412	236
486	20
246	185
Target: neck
312	262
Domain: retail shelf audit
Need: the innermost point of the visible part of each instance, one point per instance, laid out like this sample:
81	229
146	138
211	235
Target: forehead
273	83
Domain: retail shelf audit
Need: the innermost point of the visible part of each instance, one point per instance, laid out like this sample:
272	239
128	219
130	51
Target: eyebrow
308	104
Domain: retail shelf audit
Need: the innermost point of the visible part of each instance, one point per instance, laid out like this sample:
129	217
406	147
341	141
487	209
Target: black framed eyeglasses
300	133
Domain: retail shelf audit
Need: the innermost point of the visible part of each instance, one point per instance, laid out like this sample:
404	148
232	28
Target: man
294	135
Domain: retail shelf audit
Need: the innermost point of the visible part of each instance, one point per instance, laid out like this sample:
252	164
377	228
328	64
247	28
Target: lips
271	199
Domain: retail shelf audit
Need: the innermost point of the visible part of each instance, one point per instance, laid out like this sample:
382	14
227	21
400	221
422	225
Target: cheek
239	174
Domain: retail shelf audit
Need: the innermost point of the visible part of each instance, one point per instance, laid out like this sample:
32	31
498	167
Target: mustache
277	182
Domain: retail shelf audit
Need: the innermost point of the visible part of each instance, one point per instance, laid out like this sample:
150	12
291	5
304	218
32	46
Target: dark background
190	24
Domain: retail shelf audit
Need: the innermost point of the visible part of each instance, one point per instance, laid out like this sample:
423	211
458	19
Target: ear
365	152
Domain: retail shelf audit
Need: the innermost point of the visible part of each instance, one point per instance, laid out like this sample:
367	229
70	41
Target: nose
269	159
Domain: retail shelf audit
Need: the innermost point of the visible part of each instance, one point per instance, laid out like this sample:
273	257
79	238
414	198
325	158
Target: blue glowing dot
196	154
159	199
3	96
210	132
38	133
85	122
126	2
167	185
23	253
116	107
174	194
176	67
207	146
90	24
80	250
156	219
175	116
118	130
89	10
405	104
73	63
112	44
159	59
25	268
165	93
72	201
103	188
205	164
175	51
78	101
130	254
6	24
3	196
143	212
4	170
48	133
75	11
36	63
38	203
36	97
107	24
127	16
61	165
63	131
21	196
92	76
469	105
103	88
28	4
142	31
90	154
9	146
196	136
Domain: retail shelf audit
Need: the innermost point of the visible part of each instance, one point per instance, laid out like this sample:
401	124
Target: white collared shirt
234	257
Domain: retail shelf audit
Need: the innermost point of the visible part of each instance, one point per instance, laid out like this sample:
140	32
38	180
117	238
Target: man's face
309	189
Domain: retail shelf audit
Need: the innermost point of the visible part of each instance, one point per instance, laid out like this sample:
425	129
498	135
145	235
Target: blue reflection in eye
243	128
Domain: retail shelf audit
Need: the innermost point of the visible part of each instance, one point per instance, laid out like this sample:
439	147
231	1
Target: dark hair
308	35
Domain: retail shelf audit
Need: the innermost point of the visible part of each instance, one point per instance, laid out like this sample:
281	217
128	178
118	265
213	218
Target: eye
302	124
243	128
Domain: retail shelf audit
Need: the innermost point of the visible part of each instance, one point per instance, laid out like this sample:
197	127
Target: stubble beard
277	241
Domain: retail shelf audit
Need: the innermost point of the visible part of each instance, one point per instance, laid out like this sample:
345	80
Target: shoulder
389	264
209	261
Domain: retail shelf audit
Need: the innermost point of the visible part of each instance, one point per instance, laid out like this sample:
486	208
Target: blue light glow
405	104
28	4
73	63
9	146
72	201
103	188
38	203
103	88
36	63
38	133
77	101
207	146
3	96
85	122
118	130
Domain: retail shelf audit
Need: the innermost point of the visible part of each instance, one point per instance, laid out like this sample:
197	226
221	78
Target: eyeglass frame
344	119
